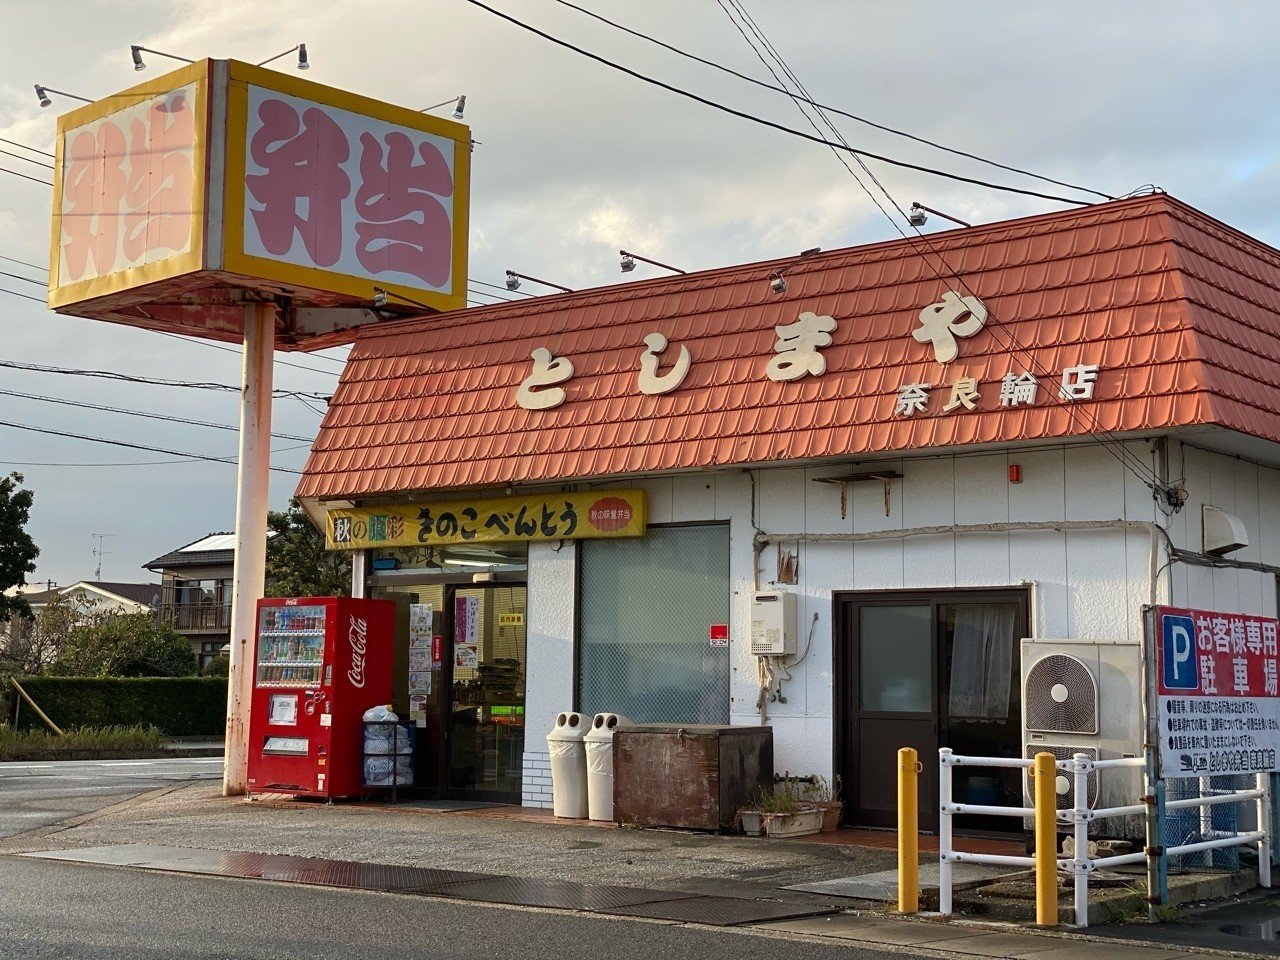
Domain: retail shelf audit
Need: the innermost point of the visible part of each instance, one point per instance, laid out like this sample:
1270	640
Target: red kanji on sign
303	159
402	226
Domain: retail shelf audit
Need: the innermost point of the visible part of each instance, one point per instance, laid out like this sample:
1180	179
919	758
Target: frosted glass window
895	661
646	606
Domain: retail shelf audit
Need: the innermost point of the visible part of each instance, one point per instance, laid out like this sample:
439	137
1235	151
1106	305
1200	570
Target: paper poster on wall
466	656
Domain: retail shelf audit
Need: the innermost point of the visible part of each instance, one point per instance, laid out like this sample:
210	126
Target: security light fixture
778	283
42	94
303	62
136	50
381	296
629	262
917	216
513	281
459	104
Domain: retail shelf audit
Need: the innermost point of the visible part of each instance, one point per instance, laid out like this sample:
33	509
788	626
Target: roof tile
1178	310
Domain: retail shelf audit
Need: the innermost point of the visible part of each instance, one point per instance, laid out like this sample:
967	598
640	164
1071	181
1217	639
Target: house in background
89	597
196	592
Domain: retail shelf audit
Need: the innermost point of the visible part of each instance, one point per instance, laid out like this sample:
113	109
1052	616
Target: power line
769	123
484	283
33	266
15	143
18	156
142	413
836	110
133	446
220	346
1126	457
24	296
114	463
157	381
47	183
6	273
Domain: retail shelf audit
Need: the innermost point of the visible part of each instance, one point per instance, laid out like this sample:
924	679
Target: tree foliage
298	565
126	645
18	551
31	644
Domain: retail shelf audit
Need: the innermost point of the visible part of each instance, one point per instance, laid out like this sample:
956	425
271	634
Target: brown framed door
889	687
929	670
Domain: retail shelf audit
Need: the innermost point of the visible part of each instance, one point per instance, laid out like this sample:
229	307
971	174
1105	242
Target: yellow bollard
1046	820
908	832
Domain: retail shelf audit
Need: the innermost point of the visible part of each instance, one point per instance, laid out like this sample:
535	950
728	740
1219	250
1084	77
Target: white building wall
1088	584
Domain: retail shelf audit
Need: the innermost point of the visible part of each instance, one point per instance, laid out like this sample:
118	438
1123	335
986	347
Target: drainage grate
721	911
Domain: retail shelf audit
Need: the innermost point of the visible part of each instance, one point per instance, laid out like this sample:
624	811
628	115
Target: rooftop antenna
99	552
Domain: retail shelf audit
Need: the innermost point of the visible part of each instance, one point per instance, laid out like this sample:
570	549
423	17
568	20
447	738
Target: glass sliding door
486	711
646	607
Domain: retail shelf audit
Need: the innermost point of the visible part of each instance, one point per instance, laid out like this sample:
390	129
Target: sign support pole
251	534
1157	863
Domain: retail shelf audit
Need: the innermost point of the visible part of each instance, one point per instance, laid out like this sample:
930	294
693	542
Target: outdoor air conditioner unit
1085	696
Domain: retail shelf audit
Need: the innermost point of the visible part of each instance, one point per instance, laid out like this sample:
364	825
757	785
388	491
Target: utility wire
484	283
829	109
142	413
24	176
769	123
24	296
224	347
157	381
33	266
114	463
15	143
16	276
132	446
1125	456
18	156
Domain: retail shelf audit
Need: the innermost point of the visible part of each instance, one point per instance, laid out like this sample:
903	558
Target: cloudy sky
576	160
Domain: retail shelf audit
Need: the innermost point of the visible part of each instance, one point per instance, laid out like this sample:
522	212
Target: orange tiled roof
1179	311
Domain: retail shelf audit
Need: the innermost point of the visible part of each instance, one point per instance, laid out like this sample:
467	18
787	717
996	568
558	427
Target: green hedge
179	706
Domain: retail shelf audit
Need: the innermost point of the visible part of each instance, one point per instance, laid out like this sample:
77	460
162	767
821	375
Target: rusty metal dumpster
688	775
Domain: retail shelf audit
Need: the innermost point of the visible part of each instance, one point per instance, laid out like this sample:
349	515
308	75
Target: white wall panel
550	638
928	500
1042	493
693	498
1094	484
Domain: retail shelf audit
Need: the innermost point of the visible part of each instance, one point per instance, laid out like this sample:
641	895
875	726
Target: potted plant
825	794
786	814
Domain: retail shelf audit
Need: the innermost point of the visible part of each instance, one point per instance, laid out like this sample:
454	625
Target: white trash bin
568	766
599	742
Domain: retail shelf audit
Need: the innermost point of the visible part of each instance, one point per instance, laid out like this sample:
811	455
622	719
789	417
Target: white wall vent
1223	532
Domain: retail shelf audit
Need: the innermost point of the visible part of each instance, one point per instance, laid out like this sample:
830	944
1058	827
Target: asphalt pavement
61	910
39	794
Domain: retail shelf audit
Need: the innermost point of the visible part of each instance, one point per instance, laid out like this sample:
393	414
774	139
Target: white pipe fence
1079	817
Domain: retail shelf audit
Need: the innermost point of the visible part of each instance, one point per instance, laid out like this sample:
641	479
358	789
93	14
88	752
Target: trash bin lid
603	727
569	726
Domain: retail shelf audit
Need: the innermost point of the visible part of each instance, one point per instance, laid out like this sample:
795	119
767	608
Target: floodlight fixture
459	104
513	281
381	296
136	50
778	283
42	94
917	216
303	62
629	262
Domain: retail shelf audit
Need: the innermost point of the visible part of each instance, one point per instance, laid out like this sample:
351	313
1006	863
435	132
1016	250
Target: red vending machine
319	663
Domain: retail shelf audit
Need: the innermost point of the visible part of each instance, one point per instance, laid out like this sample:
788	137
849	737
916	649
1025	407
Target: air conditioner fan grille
1060	696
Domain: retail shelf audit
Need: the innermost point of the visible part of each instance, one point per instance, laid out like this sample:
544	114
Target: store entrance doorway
485	671
928	671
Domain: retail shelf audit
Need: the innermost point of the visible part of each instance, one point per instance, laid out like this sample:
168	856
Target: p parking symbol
1178	653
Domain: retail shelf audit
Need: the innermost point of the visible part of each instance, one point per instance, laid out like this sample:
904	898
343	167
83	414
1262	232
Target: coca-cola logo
358	637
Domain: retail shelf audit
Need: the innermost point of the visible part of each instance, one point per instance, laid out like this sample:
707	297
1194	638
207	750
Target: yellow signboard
551	516
511	619
177	197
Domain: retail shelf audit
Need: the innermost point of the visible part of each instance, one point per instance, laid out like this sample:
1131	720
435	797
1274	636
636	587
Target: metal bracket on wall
884	476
